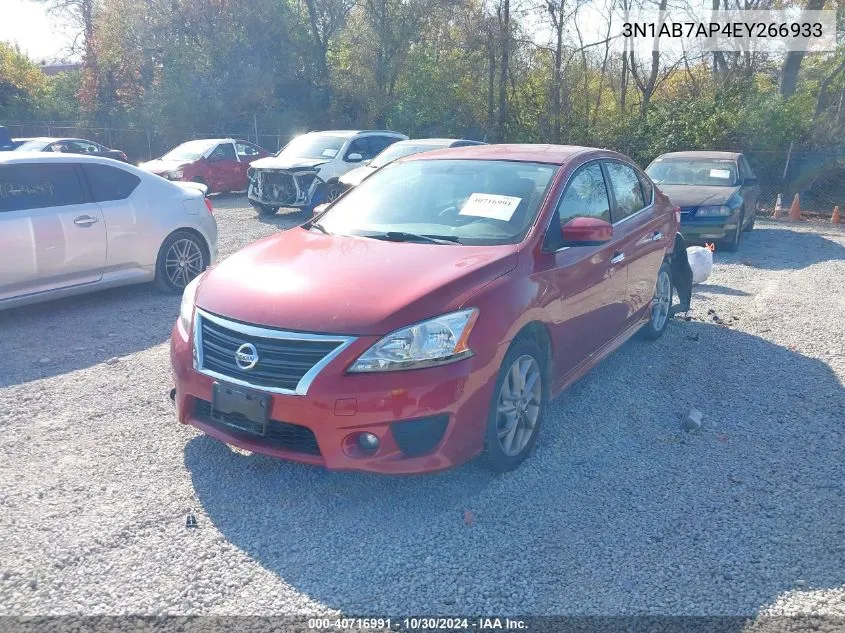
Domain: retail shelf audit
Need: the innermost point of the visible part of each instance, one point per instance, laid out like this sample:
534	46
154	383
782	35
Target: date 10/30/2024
417	624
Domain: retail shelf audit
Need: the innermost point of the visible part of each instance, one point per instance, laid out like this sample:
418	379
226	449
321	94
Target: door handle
84	220
617	258
657	236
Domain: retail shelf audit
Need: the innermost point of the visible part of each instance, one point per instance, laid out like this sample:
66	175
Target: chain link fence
141	144
817	176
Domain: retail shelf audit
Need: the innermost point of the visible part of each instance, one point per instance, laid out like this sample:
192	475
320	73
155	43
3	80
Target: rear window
39	185
109	183
5	139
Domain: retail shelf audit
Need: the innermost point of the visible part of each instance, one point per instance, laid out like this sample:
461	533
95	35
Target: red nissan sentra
428	315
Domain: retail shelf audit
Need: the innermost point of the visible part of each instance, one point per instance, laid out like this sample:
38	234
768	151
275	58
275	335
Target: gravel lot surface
618	512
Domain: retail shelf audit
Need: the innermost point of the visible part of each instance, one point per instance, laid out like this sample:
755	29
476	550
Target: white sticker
329	153
720	173
488	205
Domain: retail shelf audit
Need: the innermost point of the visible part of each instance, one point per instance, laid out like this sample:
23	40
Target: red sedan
218	163
430	313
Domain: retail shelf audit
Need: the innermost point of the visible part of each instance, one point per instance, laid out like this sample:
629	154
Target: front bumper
284	188
706	229
401	408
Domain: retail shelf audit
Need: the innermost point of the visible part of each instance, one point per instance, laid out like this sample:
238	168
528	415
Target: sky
40	36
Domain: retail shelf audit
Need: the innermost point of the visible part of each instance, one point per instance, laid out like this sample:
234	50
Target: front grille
418	437
281	435
285	188
282	362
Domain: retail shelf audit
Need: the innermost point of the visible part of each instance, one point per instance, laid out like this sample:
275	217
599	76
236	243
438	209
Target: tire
191	250
524	353
661	305
732	244
750	226
266	209
201	181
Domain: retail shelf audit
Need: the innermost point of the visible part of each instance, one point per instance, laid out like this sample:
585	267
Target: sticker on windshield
720	173
329	153
488	205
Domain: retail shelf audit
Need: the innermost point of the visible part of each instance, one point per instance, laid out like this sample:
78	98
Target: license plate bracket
242	409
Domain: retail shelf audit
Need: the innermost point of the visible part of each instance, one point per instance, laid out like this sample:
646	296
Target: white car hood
159	166
279	162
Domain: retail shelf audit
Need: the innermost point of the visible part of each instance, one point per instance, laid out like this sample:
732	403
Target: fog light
368	442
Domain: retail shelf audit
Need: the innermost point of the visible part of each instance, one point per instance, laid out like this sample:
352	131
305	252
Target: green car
716	191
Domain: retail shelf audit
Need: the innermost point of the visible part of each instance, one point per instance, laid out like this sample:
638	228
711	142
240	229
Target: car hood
159	166
308	281
279	162
697	195
354	177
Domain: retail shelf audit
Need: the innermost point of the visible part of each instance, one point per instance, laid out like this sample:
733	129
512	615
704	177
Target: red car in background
218	163
430	313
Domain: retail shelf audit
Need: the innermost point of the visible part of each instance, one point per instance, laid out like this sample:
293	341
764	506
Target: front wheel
661	304
732	243
182	257
517	407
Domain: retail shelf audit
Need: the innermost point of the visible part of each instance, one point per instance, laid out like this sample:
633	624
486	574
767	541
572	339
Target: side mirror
586	232
355	157
320	208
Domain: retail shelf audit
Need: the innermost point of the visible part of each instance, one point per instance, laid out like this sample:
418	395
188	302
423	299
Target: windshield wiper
318	226
403	236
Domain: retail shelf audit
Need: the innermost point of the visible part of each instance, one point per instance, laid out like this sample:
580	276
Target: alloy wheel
518	409
183	262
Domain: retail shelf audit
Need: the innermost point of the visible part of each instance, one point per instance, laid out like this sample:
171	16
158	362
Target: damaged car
307	171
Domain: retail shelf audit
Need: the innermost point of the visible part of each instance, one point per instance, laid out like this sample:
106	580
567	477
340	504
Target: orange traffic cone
795	209
835	218
778	214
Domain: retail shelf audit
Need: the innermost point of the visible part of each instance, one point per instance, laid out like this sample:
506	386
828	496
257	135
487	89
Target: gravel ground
619	512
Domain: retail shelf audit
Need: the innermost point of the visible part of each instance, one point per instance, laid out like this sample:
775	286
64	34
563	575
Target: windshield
398	150
470	201
31	146
313	146
190	151
693	171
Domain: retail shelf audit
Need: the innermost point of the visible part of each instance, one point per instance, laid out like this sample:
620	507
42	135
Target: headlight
186	309
437	341
713	212
175	175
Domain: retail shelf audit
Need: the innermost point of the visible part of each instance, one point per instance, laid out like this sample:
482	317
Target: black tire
495	456
266	209
750	226
164	278
731	244
655	327
201	181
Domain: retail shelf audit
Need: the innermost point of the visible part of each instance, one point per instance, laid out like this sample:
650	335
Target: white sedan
73	224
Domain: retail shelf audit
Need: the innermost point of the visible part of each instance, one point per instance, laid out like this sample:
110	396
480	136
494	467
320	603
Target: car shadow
63	335
285	218
617	507
772	246
720	290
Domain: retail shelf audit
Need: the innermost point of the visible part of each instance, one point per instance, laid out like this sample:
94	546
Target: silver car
73	224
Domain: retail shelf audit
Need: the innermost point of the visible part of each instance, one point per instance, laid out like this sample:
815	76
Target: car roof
11	158
528	153
348	133
702	154
53	139
436	142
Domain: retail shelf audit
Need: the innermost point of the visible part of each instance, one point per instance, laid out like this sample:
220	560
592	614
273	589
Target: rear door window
109	183
39	185
627	190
